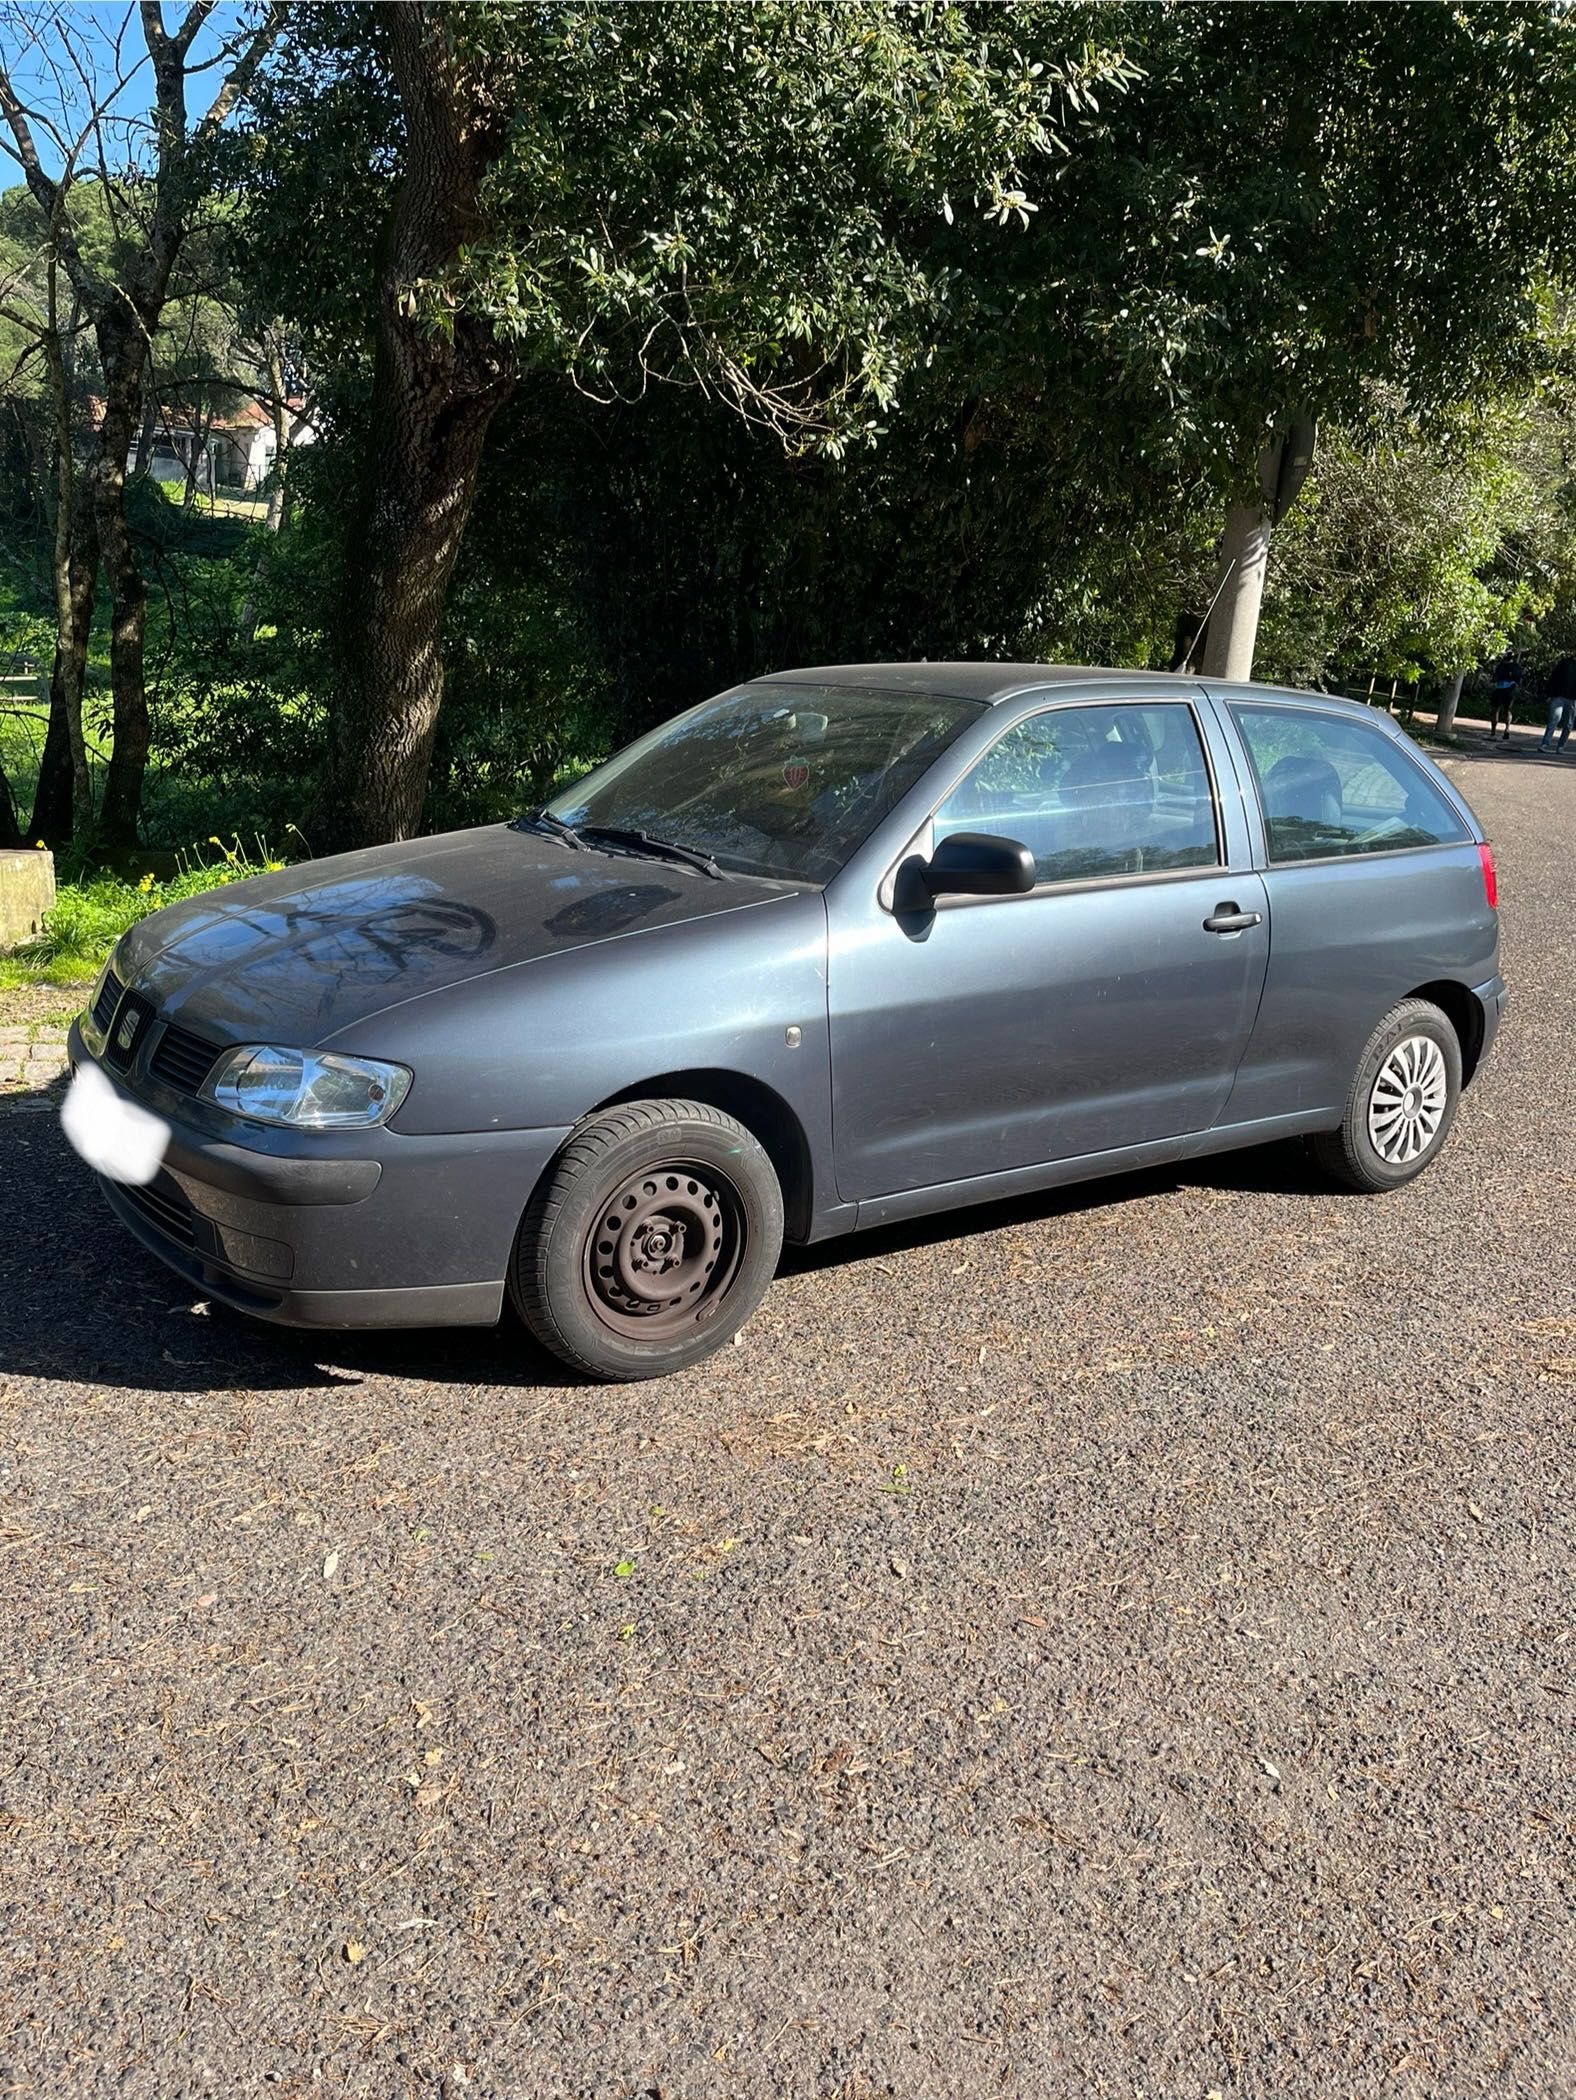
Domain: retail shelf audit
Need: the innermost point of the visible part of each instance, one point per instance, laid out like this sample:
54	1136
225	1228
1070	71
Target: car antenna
1203	625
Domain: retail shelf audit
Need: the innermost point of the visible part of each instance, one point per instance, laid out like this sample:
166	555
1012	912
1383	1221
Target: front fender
542	1043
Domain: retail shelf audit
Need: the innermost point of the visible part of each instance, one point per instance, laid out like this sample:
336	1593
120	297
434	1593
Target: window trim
1233	709
1221	864
1332	860
1091	883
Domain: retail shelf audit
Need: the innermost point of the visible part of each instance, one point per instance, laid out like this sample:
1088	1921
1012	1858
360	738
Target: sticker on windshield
795	775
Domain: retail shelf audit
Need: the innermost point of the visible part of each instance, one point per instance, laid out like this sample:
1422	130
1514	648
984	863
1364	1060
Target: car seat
1304	790
1108	796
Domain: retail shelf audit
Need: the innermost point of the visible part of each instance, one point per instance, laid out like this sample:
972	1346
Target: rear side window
1330	786
1094	792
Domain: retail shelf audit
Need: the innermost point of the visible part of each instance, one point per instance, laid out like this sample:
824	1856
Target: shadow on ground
1476	749
83	1302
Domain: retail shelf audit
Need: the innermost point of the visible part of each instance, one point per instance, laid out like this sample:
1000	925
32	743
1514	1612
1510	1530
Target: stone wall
27	890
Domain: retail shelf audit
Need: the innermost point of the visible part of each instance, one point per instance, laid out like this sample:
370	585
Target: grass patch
64	974
89	917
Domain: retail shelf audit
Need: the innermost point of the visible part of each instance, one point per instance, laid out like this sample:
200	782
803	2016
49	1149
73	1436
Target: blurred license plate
115	1137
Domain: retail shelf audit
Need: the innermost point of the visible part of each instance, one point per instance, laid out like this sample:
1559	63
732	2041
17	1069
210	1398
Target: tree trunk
63	801
280	410
1232	629
145	436
63	798
433	398
199	463
83	580
422	480
1449	701
1234	621
10	831
274	518
121	347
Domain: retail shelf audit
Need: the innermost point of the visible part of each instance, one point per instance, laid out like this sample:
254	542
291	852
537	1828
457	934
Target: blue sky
41	39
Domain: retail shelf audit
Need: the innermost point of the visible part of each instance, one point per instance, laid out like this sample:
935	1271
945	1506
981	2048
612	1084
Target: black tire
1349	1155
650	1241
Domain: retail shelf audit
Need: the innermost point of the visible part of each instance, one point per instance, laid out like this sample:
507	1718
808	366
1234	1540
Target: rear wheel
1402	1102
650	1242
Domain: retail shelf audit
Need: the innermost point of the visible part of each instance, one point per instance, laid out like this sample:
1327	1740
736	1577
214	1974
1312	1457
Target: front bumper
384	1231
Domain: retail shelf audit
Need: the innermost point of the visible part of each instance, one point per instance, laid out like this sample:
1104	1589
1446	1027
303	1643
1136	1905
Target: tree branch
153	31
24	151
48	193
240	76
195	17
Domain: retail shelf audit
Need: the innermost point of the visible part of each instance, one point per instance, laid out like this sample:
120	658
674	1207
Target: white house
235	453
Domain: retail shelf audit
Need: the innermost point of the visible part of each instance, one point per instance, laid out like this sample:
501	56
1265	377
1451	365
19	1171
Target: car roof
991	682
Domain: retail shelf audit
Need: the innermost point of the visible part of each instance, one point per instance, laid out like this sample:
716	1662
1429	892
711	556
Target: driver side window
1094	791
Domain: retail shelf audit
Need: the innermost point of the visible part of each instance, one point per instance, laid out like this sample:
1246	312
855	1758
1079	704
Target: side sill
1088	1166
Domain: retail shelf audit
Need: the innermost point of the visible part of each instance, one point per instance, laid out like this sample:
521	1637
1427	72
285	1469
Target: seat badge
126	1033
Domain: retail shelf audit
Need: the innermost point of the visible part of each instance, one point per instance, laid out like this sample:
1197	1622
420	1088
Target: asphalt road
1116	1644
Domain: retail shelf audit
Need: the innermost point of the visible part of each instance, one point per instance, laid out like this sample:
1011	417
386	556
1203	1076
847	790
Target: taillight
1490	879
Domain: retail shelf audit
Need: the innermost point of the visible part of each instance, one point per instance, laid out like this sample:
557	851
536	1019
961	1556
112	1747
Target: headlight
310	1090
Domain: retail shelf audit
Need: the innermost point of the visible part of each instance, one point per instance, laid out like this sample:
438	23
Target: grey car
837	947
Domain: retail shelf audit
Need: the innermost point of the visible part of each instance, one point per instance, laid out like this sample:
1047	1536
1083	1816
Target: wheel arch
1461	1009
762	1111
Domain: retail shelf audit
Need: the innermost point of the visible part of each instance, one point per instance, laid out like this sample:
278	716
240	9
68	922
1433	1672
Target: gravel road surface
1112	1644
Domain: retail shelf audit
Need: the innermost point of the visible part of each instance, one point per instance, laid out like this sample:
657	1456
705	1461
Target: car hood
295	956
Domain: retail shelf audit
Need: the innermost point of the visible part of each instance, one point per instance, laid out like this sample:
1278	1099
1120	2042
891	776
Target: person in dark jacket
1503	679
1561	695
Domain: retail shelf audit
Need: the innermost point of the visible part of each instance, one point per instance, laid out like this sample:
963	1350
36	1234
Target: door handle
1226	918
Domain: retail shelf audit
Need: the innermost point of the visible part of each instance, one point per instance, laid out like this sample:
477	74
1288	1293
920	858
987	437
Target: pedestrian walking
1503	679
1561	695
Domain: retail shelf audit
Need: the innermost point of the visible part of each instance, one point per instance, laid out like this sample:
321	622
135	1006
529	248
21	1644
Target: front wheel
1402	1102
650	1242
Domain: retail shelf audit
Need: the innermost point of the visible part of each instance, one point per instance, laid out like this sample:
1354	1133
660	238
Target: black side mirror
968	864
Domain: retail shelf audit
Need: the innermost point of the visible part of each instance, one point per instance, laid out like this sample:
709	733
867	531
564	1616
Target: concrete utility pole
1244	553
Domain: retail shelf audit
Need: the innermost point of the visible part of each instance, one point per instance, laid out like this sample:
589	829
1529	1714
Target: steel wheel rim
663	1250
1407	1104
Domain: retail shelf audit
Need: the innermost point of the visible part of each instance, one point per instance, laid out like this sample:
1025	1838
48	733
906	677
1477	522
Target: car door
1098	1010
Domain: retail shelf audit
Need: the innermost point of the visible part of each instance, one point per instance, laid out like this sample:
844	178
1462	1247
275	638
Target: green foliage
235	725
1416	553
1294	203
742	199
861	331
25	635
24	240
623	562
240	718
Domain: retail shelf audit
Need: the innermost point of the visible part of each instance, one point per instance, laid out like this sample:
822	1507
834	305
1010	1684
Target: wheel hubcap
1407	1105
664	1250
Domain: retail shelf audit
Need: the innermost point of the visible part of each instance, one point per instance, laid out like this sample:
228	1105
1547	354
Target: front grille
105	1004
165	1206
130	1026
182	1060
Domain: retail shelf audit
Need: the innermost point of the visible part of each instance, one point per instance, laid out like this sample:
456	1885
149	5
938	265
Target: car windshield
781	780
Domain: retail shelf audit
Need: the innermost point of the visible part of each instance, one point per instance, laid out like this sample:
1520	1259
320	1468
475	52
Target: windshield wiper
656	849
544	820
